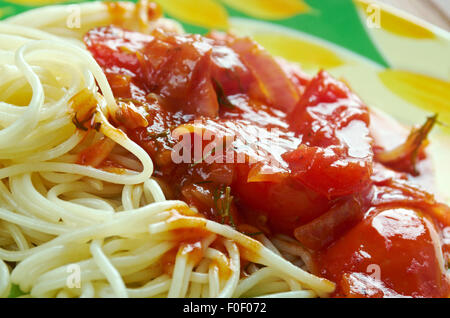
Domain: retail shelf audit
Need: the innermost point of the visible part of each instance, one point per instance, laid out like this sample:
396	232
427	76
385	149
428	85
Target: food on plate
156	163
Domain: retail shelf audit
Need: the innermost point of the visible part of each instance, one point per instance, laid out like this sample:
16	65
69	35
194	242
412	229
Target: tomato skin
276	82
286	204
327	171
397	245
280	91
328	227
335	157
111	48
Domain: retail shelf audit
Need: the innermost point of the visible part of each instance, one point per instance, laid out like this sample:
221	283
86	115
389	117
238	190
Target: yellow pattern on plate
308	54
269	9
429	93
397	24
205	13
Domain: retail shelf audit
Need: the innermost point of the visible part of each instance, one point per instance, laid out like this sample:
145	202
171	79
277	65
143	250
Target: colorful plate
395	62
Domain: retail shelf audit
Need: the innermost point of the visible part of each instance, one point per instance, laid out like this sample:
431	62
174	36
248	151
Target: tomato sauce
291	154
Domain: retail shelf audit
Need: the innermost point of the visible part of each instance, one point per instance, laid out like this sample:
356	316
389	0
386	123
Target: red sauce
298	156
189	242
392	245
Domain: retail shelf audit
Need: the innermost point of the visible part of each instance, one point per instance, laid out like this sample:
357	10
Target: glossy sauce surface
292	154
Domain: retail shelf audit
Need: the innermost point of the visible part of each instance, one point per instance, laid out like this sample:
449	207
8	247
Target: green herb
228	200
225	204
216	197
221	97
164	133
97	126
80	124
203	182
15	291
77	123
252	234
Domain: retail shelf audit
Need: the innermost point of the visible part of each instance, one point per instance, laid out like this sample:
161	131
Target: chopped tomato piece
279	89
286	204
95	154
129	116
328	227
397	247
335	157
